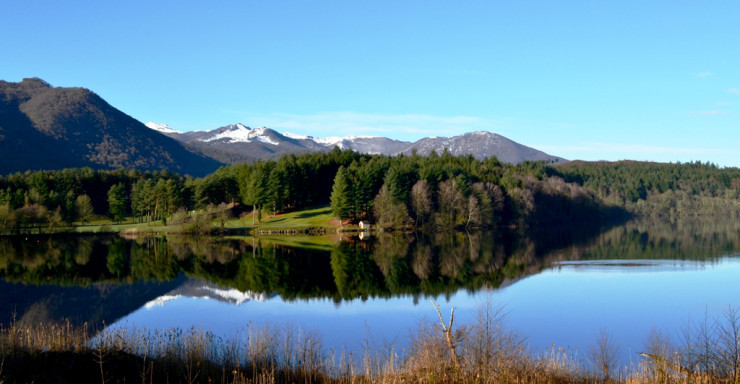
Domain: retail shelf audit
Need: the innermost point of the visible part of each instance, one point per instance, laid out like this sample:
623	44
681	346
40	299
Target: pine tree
341	196
117	202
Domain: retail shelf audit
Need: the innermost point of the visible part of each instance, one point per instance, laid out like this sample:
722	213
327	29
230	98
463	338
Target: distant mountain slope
238	143
42	127
481	145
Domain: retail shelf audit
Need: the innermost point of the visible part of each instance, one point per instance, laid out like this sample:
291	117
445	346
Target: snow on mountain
164	128
239	133
330	141
159	301
204	290
236	143
235	296
297	137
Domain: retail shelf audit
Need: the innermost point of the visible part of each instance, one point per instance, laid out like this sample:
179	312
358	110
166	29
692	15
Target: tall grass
484	351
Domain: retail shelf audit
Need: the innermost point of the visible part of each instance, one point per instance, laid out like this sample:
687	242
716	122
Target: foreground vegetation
486	351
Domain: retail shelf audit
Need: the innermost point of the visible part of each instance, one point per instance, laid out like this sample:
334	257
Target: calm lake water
557	287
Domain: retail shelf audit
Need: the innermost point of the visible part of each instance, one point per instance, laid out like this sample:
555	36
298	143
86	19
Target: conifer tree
117	202
341	196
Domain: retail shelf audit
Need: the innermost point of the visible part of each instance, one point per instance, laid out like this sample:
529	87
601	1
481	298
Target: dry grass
485	351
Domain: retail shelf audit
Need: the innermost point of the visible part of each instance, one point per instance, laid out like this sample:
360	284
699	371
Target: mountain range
46	127
236	143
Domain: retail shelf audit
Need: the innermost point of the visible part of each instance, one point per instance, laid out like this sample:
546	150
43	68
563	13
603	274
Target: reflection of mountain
95	304
203	289
102	303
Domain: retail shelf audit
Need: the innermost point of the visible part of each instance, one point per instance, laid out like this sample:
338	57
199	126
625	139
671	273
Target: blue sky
643	80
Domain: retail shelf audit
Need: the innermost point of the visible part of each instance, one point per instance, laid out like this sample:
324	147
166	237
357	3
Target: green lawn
319	217
314	217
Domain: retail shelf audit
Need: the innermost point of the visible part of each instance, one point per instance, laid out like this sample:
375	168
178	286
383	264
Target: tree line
444	191
53	199
663	189
407	191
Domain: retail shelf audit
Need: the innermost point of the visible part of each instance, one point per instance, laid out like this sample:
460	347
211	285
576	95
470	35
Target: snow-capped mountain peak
330	141
238	143
164	128
239	133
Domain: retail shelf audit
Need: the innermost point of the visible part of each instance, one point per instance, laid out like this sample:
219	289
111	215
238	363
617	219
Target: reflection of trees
85	260
390	255
117	262
663	239
355	273
421	261
388	265
38	260
151	259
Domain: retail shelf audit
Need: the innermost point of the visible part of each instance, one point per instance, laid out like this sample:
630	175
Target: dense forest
663	189
438	191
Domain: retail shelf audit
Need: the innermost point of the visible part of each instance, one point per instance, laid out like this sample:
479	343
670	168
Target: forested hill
401	192
440	192
666	189
45	127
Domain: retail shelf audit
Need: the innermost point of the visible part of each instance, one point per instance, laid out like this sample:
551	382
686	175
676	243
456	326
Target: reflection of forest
654	238
383	266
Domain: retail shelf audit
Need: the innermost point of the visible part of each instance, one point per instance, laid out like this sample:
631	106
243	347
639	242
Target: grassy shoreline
484	352
312	221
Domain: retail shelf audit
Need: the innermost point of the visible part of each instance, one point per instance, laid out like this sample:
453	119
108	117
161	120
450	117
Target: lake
558	287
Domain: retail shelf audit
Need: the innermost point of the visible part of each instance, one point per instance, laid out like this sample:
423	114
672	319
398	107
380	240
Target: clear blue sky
643	80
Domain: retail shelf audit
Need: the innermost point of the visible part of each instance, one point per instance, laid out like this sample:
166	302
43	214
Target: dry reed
483	352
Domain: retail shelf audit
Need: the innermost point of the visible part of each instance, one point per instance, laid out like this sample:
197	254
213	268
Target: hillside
45	127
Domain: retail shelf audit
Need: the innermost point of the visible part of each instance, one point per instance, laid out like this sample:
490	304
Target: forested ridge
666	189
438	191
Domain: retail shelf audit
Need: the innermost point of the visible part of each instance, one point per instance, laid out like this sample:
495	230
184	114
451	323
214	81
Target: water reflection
629	266
103	279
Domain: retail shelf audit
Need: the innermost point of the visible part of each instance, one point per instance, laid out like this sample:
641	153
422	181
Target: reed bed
483	352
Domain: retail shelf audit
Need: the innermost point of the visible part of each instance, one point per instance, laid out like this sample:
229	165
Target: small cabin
364	224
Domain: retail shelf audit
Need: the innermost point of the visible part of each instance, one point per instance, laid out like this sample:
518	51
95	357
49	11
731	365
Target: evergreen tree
400	178
117	200
341	196
141	198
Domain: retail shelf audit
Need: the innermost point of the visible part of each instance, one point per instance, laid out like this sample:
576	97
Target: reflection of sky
566	305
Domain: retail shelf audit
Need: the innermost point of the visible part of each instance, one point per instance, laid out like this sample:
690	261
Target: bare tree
474	212
728	345
603	353
447	329
421	201
659	349
451	204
